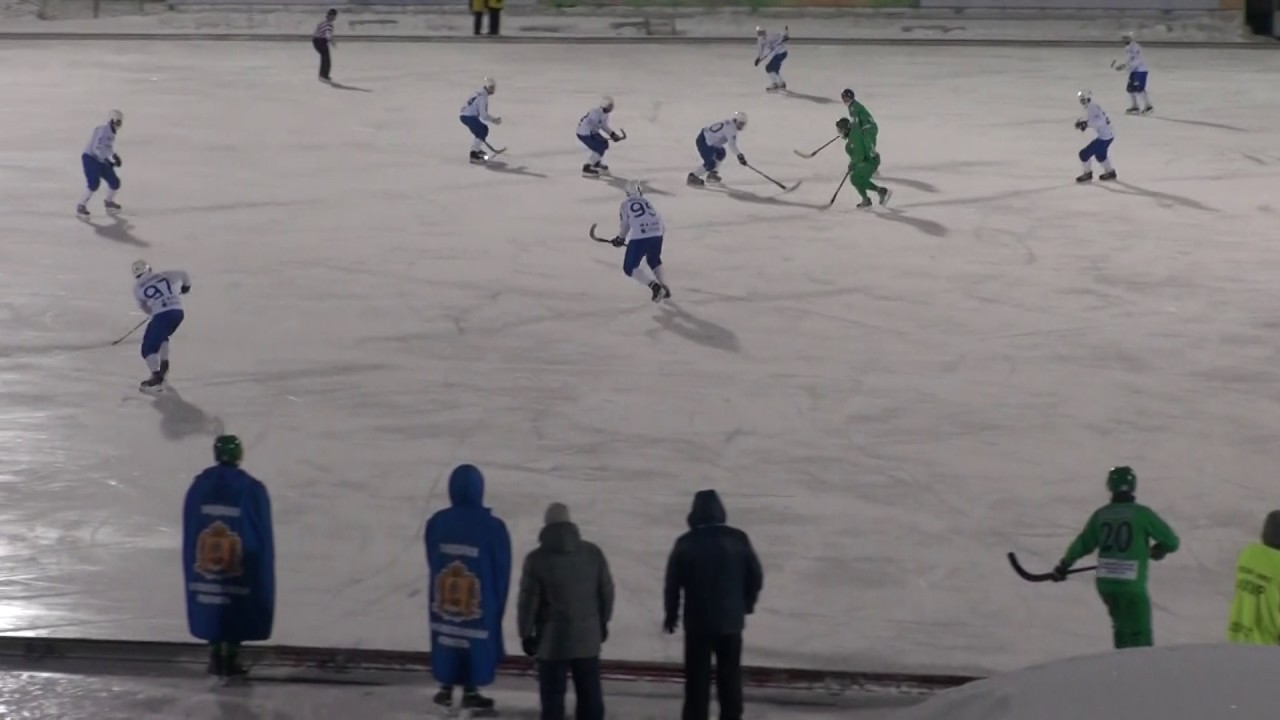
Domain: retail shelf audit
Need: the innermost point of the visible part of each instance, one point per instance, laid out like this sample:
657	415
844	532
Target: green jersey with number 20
1123	534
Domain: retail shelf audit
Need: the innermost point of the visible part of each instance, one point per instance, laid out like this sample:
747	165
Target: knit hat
556	513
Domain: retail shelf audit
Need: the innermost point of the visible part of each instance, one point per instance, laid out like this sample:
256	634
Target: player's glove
495	120
1059	573
115	160
530	646
1082	125
186	289
757	62
742	159
615	137
669	626
842	127
617	241
1121	67
1158	552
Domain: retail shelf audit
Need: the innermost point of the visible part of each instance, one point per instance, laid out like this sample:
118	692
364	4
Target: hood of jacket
1271	530
707	509
561	537
466	486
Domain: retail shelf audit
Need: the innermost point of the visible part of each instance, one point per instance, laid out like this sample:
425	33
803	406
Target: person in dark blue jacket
228	558
469	574
715	569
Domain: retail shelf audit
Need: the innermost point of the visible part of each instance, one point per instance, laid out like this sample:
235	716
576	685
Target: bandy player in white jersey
590	127
774	47
475	114
158	294
641	229
1096	118
711	143
100	162
1136	64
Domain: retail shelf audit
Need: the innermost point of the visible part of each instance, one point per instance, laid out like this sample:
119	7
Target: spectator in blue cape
229	558
468	576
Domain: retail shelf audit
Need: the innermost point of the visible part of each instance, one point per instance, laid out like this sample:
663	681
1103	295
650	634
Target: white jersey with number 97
160	291
638	220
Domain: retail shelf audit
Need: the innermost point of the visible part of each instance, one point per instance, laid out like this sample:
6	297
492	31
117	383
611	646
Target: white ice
888	400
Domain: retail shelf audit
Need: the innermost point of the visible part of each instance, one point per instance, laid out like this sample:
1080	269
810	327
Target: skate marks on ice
918	185
620	183
339	86
816	99
116	229
924	225
1163	199
500	166
1197	123
750	197
673	318
180	418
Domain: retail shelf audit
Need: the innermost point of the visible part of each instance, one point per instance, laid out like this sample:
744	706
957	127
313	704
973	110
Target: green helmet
227	450
1122	480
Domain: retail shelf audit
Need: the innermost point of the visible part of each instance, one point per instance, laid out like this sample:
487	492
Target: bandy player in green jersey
1125	534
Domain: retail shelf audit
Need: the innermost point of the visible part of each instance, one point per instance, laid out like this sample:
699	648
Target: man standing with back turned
716	570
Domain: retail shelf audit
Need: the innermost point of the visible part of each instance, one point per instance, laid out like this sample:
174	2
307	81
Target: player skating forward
641	229
475	114
590	127
158	294
712	141
774	47
863	161
1136	64
1097	119
861	116
1126	535
100	162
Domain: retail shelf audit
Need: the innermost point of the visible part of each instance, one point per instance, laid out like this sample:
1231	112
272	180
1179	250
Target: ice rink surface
888	400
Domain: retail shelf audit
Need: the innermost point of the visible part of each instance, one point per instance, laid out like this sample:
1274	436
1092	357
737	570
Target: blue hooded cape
468	576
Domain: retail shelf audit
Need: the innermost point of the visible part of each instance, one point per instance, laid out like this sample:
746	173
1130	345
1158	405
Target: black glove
1158	551
1060	572
615	137
669	625
604	633
1081	125
186	289
115	160
530	646
842	127
617	241
742	159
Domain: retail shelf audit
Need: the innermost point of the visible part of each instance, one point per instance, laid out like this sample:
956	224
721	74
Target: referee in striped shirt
321	39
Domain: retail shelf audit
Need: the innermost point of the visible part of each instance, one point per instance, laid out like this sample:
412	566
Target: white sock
87	196
1086	167
477	146
595	158
1133	99
699	170
642	276
1106	164
660	274
111	195
153	363
1146	100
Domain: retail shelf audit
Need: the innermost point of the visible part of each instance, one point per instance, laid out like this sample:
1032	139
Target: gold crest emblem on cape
219	552
457	593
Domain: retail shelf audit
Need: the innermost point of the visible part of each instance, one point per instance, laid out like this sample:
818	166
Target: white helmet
740	120
1085	96
606	103
1127	37
116	118
490	85
759	31
634	189
140	268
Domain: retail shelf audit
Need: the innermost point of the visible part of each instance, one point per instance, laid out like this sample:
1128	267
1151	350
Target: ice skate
82	211
1085	177
589	171
112	206
782	87
694	180
1108	175
866	203
713	177
774	88
478	158
884	193
477	704
601	168
153	385
443	698
1132	111
1148	109
656	288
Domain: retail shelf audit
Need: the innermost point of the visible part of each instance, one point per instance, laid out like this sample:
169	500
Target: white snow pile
1189	682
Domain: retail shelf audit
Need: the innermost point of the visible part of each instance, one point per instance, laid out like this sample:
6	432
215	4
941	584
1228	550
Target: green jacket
1123	533
863	121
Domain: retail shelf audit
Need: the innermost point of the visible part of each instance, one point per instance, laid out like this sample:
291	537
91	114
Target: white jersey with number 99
160	291
639	220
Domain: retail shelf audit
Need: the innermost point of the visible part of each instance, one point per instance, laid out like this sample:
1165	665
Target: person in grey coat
563	613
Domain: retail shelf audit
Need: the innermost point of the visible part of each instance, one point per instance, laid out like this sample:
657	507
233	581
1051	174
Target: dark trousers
698	650
552	677
494	19
322	46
